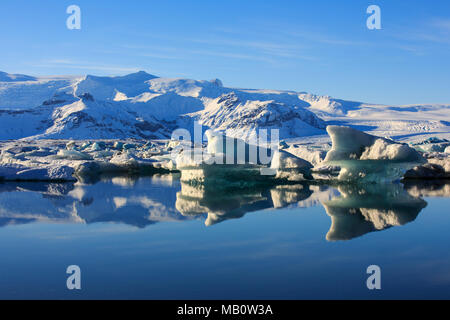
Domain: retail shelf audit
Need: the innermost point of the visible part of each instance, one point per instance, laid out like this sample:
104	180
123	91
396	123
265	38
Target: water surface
155	238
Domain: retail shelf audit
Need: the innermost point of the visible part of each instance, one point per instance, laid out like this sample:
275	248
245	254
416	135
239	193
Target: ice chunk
102	154
289	167
368	158
232	161
72	155
88	168
237	151
124	158
70	145
97	146
427	171
44	173
165	162
223	177
351	144
118	145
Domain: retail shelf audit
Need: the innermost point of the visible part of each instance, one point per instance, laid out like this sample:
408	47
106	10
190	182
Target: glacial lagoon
158	238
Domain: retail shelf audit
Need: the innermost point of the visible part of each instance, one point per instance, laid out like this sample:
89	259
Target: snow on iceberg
367	158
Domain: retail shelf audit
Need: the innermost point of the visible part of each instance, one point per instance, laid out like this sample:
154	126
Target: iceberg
72	155
229	161
288	167
367	158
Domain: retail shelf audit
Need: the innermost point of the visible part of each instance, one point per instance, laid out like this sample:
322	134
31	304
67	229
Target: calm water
154	238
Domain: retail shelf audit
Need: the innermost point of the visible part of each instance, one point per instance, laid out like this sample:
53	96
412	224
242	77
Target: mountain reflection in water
354	210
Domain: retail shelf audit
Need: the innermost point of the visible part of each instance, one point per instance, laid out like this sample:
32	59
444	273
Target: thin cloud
270	48
442	24
436	30
71	64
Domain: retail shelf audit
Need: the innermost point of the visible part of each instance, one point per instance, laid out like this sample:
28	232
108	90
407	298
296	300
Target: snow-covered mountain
141	105
6	77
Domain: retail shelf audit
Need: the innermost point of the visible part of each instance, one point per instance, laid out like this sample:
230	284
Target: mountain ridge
144	106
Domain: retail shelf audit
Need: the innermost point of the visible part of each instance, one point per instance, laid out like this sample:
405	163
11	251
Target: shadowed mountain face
140	202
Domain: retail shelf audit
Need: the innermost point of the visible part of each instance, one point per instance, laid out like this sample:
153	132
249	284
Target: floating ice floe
231	162
14	172
366	158
49	160
72	155
119	163
289	167
437	167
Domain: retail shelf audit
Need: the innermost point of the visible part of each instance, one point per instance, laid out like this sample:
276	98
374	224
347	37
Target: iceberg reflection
428	188
363	209
354	209
220	205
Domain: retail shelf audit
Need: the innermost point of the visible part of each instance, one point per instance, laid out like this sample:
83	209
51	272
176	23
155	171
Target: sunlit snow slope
141	105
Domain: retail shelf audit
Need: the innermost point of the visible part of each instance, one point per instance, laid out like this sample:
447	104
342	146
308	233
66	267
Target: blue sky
320	46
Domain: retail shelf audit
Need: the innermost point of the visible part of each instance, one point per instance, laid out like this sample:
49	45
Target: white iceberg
72	155
233	162
367	158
